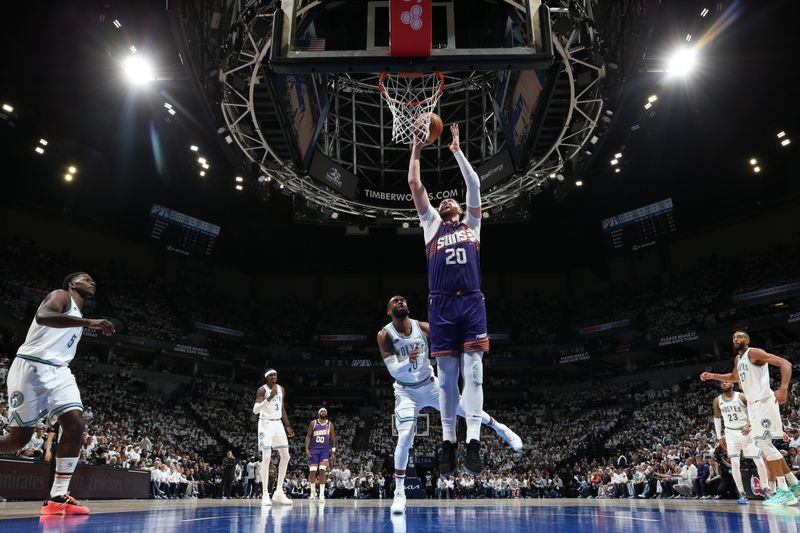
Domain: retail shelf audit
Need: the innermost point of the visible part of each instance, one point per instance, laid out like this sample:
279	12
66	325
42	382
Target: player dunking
320	450
730	407
273	427
404	347
751	371
456	308
40	383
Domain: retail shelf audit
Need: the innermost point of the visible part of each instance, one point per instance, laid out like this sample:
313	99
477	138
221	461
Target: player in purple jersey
320	450
456	308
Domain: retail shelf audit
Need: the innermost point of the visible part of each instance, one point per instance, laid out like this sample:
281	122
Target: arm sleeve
395	367
472	180
430	221
718	427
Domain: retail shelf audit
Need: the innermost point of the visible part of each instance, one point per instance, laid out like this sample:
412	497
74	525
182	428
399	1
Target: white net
411	97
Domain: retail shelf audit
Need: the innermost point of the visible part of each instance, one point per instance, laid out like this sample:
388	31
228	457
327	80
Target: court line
209	518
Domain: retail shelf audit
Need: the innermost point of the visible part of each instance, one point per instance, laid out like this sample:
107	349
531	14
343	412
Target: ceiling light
617	170
484	213
688	37
228	139
704	12
117	24
334	215
201	160
753	161
7	108
614	162
193	148
132	49
682	61
72	170
786	142
172	112
579	183
239	188
138	70
406	225
648	105
652	98
618	155
43	142
239	179
756	169
68	177
781	134
202	172
39	150
280	186
206	166
167	105
552	175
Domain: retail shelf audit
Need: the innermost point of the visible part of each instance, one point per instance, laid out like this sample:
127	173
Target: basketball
436	126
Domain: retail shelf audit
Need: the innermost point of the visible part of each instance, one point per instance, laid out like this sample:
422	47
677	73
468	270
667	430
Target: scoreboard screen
640	227
182	233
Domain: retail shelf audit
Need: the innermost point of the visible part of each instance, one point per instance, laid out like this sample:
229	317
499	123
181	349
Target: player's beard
400	313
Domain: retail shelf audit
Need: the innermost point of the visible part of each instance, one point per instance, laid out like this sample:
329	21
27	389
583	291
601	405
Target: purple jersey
454	254
321	436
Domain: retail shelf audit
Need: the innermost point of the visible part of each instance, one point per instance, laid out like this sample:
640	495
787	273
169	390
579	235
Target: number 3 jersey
274	409
403	345
734	412
453	251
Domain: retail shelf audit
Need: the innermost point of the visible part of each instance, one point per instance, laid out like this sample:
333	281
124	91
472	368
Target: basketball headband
270	371
321	409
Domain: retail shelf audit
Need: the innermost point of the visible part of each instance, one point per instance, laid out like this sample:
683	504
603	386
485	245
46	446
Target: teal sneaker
795	490
790	497
778	499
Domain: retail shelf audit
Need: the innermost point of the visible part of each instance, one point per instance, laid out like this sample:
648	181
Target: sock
282	466
472	394
65	466
736	472
781	483
763	474
790	479
773	486
313	490
265	457
399	483
448	395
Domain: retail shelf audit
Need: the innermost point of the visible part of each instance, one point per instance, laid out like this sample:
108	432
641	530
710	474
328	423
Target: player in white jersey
41	384
404	347
273	427
730	408
751	371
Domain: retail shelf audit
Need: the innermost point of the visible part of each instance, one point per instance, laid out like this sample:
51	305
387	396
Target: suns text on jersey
457	237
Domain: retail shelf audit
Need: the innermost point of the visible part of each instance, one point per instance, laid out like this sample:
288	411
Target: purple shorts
458	323
319	457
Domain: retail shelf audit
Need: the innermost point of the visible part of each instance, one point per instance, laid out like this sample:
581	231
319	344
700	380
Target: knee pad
473	367
769	450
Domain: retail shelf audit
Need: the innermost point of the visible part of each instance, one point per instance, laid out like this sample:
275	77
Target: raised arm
471	178
418	192
760	357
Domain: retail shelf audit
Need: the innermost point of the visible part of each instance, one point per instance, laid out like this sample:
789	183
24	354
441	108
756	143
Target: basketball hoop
411	96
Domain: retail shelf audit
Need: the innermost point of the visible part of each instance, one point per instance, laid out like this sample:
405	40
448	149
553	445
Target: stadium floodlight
72	170
648	105
618	155
39	150
614	162
8	108
172	112
652	98
206	166
138	70
202	173
117	24
239	188
201	160
617	170
68	177
239	179
552	175
194	148
43	142
781	134
281	186
167	105
753	161
682	61
334	215
786	142
756	169
132	49
406	225
579	183
704	12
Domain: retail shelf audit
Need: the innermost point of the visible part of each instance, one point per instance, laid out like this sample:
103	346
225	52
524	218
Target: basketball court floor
373	516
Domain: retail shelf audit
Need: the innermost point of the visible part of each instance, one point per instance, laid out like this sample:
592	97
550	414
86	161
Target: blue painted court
353	516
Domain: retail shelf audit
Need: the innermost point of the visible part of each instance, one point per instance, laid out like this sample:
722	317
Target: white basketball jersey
54	346
753	379
734	412
403	345
274	409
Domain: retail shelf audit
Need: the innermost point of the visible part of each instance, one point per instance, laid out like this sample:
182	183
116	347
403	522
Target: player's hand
290	432
781	395
455	146
705	376
417	145
106	326
746	429
308	453
723	444
413	354
785	437
48	455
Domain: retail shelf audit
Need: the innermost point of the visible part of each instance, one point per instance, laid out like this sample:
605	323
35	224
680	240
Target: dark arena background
227	173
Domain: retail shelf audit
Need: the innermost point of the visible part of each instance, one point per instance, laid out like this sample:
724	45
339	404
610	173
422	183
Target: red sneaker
65	504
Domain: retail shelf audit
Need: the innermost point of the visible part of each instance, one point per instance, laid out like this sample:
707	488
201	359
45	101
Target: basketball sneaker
780	498
447	458
322	496
742	499
65	504
790	497
265	501
313	495
511	438
279	497
399	502
795	490
472	461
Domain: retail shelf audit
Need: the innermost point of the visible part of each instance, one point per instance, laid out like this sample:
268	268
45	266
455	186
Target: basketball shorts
36	390
271	434
737	443
765	419
409	400
457	323
320	458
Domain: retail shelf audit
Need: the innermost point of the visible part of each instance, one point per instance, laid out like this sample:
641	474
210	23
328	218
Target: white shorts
736	443
271	434
36	390
410	400
765	419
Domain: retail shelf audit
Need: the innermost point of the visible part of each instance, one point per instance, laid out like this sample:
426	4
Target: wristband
333	450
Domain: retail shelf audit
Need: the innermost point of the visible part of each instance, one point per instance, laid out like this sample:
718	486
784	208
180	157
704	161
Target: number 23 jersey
453	252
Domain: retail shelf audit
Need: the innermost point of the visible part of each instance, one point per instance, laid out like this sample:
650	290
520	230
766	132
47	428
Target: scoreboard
640	227
182	233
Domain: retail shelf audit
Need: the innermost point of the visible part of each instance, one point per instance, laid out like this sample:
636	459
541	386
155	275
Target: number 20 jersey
454	253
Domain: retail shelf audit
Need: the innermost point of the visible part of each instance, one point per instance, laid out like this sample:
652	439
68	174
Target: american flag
311	45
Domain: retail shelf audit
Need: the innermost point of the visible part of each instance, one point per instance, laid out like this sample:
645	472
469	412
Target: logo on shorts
766	423
16	399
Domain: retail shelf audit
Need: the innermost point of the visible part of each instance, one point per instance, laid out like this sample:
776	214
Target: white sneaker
279	497
312	496
265	501
509	436
399	502
321	497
